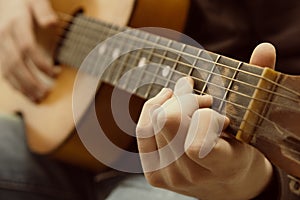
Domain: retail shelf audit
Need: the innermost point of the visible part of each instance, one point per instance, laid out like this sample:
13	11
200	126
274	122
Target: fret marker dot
142	62
102	49
166	71
116	53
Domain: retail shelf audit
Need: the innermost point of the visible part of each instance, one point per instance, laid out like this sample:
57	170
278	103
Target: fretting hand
208	163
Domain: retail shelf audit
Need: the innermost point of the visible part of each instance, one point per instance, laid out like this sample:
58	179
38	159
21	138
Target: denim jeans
27	176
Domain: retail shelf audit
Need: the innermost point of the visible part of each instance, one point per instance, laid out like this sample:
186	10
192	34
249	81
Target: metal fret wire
104	25
216	74
209	72
234	80
240	118
250	110
284	147
154	75
219	64
230	85
141	75
156	72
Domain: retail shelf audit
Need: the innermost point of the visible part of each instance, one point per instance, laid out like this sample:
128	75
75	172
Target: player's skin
214	164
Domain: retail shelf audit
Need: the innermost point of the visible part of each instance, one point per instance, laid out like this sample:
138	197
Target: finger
29	47
44	13
16	68
151	104
222	151
144	130
176	113
264	55
184	86
203	134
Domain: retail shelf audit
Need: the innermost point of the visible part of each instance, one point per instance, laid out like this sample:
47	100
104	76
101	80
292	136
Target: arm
213	163
19	50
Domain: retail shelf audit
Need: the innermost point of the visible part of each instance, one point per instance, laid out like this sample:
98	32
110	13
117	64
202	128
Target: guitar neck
153	62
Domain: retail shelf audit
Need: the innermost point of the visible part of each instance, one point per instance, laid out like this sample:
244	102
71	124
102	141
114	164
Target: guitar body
50	125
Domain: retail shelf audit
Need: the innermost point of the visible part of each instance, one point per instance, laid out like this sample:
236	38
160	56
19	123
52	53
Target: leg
27	176
136	187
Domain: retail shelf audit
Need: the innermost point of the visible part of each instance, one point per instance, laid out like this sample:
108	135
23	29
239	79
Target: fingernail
164	91
49	20
56	71
208	98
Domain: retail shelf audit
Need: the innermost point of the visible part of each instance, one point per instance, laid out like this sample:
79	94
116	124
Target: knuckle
176	182
155	179
171	118
3	29
193	150
193	178
169	121
26	46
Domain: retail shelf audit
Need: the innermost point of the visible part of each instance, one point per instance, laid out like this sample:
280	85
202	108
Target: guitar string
283	136
161	68
226	77
272	92
259	76
237	105
97	23
228	113
230	79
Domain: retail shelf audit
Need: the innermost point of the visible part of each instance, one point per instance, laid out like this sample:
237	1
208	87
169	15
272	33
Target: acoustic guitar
262	104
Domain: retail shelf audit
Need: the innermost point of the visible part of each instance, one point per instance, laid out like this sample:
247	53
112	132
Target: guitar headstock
278	133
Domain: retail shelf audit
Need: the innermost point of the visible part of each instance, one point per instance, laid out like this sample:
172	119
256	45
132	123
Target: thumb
44	13
264	55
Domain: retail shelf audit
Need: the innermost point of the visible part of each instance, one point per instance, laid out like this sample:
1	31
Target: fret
98	33
122	67
175	68
210	76
168	65
148	54
243	84
104	53
154	88
194	62
202	68
130	58
228	87
132	83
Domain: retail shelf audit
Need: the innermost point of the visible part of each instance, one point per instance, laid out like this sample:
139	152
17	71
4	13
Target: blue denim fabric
26	176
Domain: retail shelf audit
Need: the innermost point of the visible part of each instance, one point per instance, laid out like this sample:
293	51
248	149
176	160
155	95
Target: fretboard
152	62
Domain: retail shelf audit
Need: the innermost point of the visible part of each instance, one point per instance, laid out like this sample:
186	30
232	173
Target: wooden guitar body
50	124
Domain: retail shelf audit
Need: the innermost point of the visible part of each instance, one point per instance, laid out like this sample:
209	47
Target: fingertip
44	13
227	122
205	100
190	80
184	85
264	55
48	20
165	92
56	71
